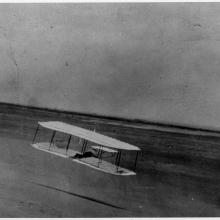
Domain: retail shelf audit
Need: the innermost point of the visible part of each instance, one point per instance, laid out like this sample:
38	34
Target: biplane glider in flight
103	145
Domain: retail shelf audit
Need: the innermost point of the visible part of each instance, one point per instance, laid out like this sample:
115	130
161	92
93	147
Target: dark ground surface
178	174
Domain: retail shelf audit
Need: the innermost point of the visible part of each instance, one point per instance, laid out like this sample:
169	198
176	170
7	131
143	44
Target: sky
150	61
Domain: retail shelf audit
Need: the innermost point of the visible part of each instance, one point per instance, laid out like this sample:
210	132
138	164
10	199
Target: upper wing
88	135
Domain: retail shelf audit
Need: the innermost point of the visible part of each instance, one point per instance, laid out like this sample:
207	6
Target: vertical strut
118	160
67	147
84	146
35	134
135	163
100	155
54	132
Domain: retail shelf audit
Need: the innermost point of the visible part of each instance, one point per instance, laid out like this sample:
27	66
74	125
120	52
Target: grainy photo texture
110	110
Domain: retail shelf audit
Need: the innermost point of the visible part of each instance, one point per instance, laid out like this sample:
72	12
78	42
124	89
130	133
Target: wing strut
54	132
35	133
100	155
135	163
118	158
84	146
67	147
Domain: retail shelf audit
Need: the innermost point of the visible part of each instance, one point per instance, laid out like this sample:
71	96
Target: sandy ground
178	174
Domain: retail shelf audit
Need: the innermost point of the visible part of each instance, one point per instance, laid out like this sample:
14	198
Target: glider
93	146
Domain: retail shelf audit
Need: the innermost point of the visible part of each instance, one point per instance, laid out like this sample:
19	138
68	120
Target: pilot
90	153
